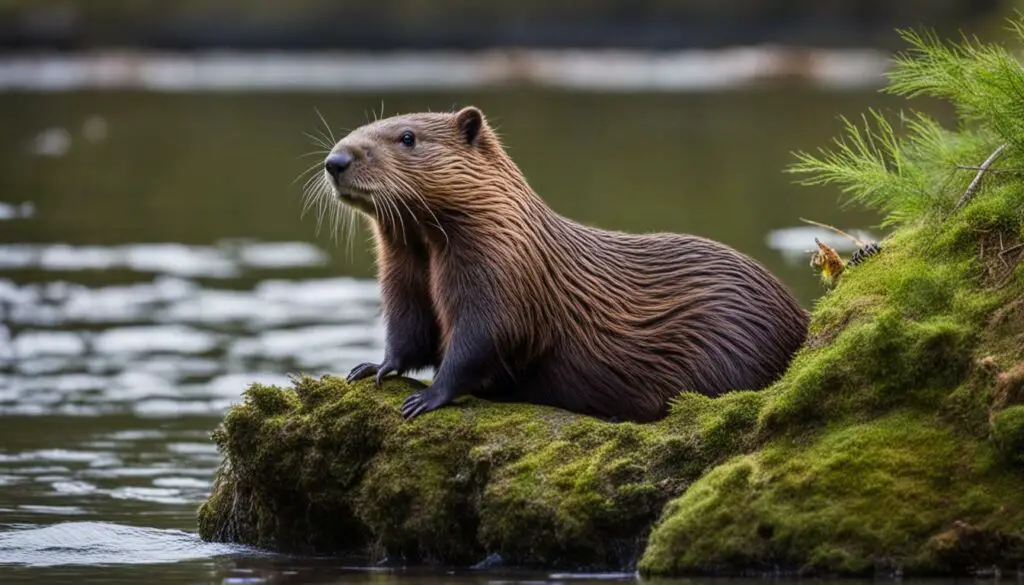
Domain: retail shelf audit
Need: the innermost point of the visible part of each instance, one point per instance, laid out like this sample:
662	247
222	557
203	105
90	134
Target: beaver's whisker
402	187
391	217
398	212
309	193
326	125
423	202
314	177
324	138
309	173
311	169
322	201
394	218
382	213
312	180
353	219
349	229
307	204
329	220
318	141
437	222
409	209
319	216
308	198
335	221
328	136
313	195
376	210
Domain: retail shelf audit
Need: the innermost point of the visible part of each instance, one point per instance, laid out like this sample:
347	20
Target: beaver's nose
337	162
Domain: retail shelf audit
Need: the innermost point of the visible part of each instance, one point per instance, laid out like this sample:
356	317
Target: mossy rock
894	442
328	466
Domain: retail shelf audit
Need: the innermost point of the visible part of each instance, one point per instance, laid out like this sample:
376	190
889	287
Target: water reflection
226	260
172	346
78	543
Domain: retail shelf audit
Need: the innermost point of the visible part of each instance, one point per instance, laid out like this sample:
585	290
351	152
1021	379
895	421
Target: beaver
510	301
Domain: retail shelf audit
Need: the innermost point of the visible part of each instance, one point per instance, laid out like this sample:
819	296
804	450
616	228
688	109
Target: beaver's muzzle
336	163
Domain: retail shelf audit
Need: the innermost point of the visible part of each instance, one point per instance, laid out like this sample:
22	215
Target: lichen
894	442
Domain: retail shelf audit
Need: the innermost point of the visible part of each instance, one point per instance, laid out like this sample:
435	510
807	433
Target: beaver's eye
407	138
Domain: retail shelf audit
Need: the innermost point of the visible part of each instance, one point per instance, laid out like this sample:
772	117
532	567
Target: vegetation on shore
894	442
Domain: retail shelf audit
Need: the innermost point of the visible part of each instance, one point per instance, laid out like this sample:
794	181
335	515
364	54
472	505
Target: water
153	262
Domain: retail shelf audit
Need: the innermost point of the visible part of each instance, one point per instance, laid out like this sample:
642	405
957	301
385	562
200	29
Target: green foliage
870	165
909	172
984	82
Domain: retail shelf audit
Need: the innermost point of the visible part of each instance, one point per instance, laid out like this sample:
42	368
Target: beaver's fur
511	301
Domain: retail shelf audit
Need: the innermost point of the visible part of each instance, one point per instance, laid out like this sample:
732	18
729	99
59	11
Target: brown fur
511	301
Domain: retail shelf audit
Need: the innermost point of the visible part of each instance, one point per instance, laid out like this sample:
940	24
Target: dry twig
972	189
1011	249
836	230
993	171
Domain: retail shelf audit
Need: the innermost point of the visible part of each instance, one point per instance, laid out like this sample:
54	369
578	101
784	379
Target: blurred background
153	260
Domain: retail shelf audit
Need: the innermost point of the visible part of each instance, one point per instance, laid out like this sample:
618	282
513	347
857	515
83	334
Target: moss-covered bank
894	441
329	466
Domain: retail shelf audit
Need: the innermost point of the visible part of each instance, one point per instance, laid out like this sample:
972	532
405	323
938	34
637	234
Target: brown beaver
510	301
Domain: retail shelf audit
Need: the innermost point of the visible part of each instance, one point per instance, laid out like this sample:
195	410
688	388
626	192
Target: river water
153	261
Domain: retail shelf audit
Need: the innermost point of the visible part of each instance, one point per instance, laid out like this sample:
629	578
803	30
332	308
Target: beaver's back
655	315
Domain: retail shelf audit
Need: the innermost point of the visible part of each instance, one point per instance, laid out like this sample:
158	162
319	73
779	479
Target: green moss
895	440
855	499
1008	433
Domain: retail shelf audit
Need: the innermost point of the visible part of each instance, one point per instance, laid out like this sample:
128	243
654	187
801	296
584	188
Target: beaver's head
419	164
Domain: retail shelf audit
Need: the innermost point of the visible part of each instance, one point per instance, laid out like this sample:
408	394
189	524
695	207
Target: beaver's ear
470	121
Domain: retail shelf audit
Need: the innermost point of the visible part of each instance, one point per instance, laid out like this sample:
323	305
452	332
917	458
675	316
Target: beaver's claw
365	370
423	402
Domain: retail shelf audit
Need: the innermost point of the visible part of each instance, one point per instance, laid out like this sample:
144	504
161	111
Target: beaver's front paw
423	402
368	369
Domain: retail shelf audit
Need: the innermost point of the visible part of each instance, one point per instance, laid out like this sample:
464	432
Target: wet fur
509	300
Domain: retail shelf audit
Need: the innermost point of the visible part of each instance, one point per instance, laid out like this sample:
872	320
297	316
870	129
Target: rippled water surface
153	262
